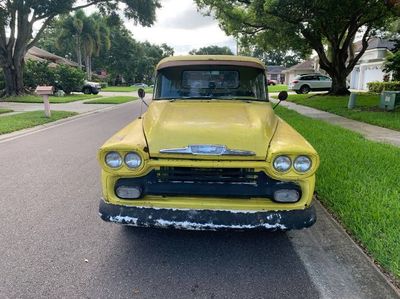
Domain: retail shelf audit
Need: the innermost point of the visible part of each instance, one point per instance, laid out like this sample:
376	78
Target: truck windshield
211	82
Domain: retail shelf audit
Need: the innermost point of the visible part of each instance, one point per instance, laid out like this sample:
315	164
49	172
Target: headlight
113	160
282	163
302	164
133	160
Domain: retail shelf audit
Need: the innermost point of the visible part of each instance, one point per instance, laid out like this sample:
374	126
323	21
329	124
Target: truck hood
239	126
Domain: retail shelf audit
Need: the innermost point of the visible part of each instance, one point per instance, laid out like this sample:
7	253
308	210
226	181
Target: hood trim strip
207	150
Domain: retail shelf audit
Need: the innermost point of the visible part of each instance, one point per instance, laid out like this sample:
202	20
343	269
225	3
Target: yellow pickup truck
209	154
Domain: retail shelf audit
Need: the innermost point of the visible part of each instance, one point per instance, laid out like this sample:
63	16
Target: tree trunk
78	52
338	71
87	65
339	85
13	78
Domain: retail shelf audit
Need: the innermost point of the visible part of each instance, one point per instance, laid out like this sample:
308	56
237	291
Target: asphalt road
54	245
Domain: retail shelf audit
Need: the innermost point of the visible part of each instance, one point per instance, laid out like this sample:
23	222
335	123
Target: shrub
69	78
38	73
393	65
378	87
104	84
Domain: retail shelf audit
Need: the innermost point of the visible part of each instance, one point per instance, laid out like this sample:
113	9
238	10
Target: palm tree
95	36
71	31
89	34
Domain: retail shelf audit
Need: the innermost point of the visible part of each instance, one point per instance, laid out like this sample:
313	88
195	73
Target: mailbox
389	100
45	91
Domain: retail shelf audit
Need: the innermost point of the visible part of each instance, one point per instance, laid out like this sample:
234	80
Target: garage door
371	74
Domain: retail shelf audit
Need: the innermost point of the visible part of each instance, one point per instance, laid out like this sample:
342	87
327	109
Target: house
305	67
370	67
38	54
275	72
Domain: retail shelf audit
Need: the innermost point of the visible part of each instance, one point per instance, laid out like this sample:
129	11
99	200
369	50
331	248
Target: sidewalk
371	132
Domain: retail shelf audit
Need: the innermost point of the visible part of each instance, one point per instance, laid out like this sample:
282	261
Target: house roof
375	43
39	54
307	65
275	69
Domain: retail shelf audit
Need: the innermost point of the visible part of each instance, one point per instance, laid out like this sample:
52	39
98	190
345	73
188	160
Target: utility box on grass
389	100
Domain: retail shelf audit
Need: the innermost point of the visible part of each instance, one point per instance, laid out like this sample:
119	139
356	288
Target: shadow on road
190	264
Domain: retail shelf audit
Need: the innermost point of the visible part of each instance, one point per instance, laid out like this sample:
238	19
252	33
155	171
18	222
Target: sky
182	27
179	25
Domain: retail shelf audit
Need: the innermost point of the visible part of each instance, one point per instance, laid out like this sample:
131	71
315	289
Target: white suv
310	82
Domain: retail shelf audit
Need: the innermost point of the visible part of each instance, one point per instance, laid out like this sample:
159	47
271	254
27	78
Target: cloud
188	19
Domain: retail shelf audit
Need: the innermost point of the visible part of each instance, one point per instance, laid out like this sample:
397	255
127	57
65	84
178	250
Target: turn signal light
126	192
286	195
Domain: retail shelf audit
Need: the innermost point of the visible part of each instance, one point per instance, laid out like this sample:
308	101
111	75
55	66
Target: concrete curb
340	227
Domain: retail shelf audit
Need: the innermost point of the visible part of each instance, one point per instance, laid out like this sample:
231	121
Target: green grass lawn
366	110
126	89
5	111
53	100
15	122
358	181
277	88
112	100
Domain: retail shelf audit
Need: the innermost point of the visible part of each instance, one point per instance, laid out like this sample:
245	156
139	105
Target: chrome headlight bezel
113	160
300	161
282	159
133	156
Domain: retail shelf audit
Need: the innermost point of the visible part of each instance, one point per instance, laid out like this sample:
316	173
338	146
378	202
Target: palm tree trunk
87	64
78	51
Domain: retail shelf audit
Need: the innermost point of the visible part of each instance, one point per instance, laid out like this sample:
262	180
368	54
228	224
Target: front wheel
87	90
304	89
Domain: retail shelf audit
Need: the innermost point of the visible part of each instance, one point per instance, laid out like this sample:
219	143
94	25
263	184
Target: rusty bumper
207	219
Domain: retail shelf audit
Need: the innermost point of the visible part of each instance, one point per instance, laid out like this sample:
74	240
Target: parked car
142	85
87	88
310	82
272	82
91	87
209	154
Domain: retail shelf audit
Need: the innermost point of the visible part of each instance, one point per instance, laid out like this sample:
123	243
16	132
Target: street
54	245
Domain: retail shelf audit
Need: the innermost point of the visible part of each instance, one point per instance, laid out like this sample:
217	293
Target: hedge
378	87
62	76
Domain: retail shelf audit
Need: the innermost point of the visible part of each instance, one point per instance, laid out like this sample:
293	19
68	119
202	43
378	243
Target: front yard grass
53	99
358	181
5	111
125	89
112	100
366	110
15	122
277	88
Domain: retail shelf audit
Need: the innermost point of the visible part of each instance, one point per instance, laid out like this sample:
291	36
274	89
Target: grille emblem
207	150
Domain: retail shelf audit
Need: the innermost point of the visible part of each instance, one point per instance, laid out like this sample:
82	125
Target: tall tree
18	18
329	27
95	35
70	32
212	50
273	56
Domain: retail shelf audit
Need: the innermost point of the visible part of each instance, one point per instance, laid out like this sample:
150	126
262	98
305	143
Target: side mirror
282	96
141	93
